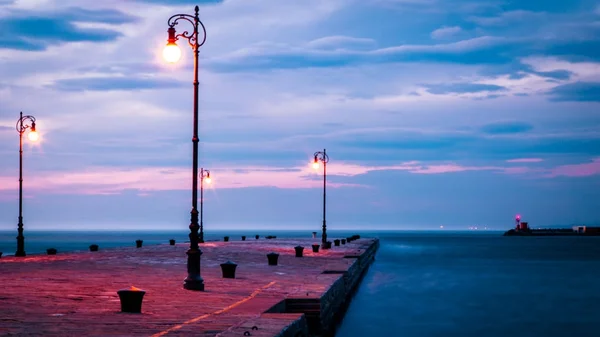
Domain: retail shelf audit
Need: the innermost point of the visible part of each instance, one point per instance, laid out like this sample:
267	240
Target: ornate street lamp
324	158
24	123
204	175
172	53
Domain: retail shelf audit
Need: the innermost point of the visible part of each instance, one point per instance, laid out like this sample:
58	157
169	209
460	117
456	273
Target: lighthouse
520	226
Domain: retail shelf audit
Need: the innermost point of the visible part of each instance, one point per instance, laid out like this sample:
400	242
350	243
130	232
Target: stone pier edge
318	316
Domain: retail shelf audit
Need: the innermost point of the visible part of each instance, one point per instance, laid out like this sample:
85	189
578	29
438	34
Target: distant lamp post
324	158
204	176
24	123
172	54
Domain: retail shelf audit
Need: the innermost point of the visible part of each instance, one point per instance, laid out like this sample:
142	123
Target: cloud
556	74
509	17
115	83
525	160
578	92
576	50
113	180
577	170
451	168
500	128
36	31
479	50
293	84
578	71
445	32
340	41
106	16
460	88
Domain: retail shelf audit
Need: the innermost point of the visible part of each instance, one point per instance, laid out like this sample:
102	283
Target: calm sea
466	284
434	283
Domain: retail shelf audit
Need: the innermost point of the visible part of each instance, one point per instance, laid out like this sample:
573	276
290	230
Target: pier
73	294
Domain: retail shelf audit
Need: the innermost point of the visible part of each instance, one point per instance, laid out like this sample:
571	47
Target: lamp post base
20	244
193	281
193	284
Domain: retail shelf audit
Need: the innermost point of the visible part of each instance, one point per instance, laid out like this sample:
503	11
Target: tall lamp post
172	54
324	158
204	175
24	123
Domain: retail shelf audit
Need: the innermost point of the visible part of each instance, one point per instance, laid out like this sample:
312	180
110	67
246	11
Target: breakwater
75	293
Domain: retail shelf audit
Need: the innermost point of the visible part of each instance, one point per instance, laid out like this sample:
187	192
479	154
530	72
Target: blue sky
433	112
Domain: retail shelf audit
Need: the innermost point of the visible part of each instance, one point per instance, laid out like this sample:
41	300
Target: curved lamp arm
321	156
23	124
192	38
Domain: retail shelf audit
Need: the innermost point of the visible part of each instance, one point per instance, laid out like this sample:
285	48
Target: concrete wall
322	315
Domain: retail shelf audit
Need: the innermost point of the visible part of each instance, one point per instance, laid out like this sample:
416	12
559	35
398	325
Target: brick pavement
74	294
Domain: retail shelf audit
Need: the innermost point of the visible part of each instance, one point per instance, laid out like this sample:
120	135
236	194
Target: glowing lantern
171	52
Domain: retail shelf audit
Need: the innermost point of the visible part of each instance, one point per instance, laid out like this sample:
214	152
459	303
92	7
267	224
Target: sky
434	113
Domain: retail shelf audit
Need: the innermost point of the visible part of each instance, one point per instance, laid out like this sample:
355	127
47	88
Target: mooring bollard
257	236
243	237
138	243
0	254
172	242
343	241
272	257
93	248
51	251
314	235
336	242
299	250
228	269
226	238
315	248
326	245
131	299
348	239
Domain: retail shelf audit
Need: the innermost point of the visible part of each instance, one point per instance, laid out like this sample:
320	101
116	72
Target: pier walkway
75	294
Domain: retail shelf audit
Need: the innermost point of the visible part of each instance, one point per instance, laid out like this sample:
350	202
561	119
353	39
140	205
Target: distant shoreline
548	232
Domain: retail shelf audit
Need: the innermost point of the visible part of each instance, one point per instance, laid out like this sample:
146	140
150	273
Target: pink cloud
449	168
525	160
523	170
577	170
110	180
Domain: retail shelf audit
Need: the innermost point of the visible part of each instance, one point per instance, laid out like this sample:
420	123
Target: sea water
431	283
478	284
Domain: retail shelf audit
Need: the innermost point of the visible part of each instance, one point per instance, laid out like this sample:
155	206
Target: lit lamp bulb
33	135
171	53
315	165
207	179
